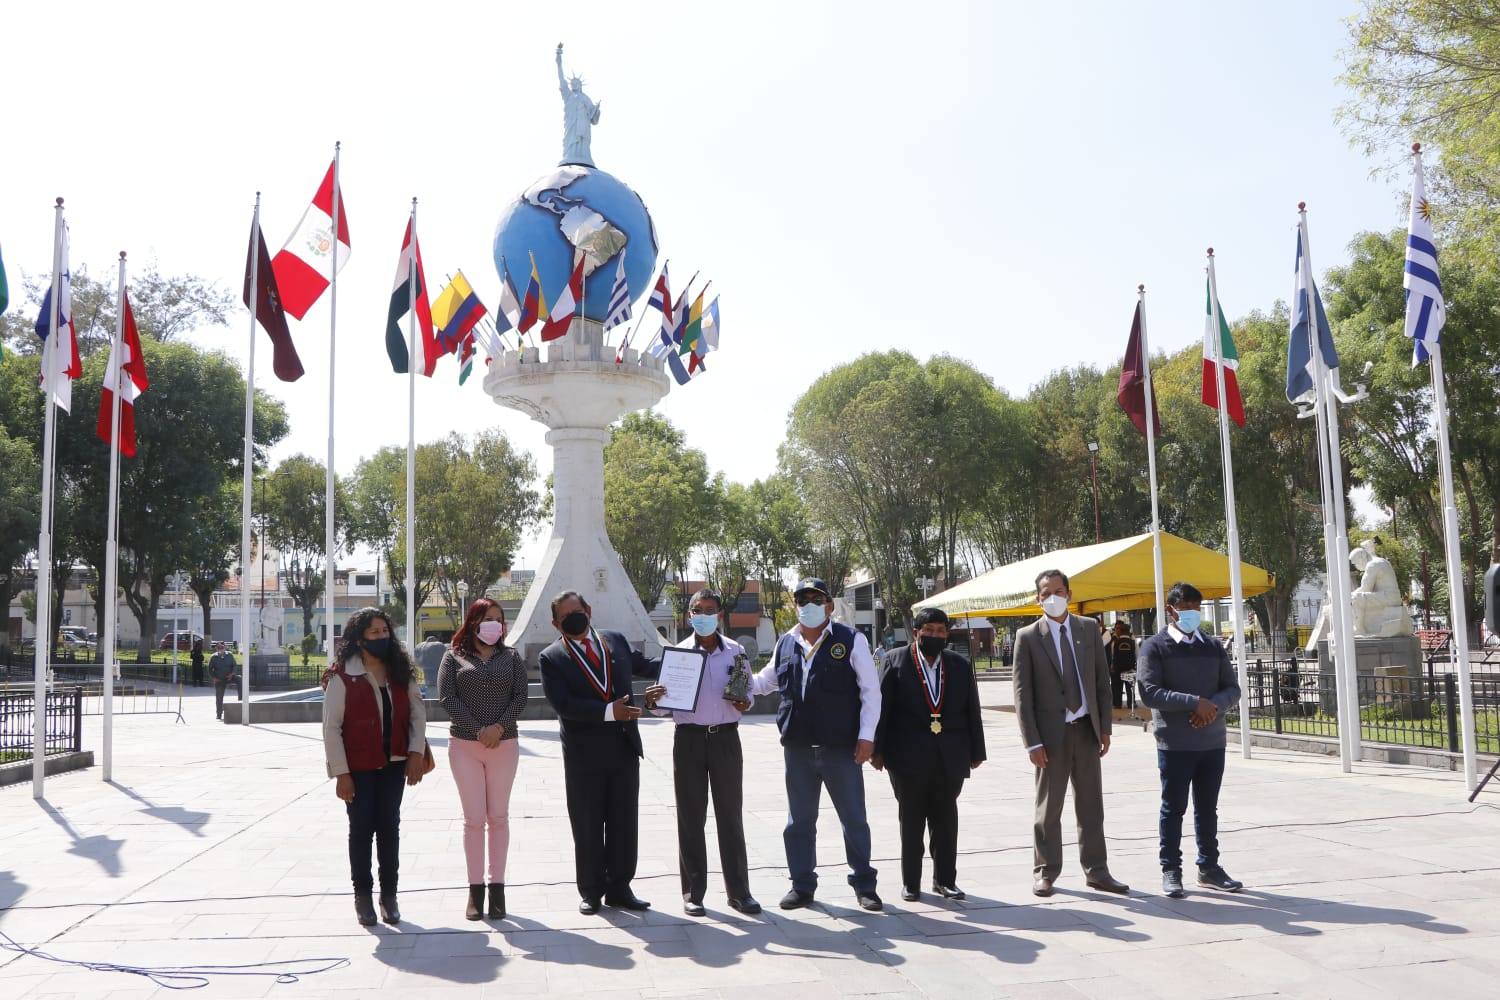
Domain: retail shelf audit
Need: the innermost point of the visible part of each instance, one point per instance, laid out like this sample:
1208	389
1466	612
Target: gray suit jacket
1041	699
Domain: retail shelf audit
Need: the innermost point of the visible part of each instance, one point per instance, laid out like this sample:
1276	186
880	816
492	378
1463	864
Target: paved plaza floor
224	846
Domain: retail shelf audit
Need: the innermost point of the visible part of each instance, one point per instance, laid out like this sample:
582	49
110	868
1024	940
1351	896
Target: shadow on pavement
104	851
190	820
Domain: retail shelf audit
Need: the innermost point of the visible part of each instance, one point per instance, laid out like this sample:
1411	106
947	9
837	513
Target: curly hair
398	665
466	637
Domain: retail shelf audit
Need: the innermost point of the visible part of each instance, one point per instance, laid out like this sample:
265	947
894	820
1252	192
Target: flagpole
1335	533
1161	601
642	318
111	535
411	437
1458	612
1236	583
248	469
44	535
333	312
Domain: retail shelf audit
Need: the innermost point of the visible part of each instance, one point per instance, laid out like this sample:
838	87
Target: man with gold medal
929	738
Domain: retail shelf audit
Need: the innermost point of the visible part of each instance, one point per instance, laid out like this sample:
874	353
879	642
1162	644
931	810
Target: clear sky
988	180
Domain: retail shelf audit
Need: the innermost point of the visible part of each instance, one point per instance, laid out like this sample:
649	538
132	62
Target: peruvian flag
306	265
561	319
1229	361
126	375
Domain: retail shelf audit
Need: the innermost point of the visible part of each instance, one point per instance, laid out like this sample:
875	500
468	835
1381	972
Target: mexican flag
1229	360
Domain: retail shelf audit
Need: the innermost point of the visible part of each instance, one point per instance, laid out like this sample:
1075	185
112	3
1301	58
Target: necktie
1070	672
588	650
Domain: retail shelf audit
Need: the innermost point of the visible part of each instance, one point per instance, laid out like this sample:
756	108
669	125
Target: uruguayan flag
1300	383
1424	289
619	298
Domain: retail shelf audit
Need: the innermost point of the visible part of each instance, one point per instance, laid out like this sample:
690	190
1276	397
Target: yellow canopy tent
1110	576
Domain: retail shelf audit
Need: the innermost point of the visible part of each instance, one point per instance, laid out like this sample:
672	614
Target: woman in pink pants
482	685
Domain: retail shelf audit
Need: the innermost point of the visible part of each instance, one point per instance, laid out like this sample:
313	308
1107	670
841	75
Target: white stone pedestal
577	390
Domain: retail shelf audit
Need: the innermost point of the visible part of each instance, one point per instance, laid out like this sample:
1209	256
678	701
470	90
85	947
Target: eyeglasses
810	599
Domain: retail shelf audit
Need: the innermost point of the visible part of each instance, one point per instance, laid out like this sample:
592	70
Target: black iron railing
62	726
1296	697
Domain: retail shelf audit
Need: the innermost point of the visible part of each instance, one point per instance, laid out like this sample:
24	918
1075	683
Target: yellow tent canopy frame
1110	576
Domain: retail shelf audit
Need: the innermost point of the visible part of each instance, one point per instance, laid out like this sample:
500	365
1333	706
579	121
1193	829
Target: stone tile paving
219	845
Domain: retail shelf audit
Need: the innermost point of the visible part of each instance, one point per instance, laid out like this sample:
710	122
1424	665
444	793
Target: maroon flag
1132	394
268	308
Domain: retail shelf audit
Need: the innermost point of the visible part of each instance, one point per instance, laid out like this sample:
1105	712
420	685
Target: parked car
184	640
74	637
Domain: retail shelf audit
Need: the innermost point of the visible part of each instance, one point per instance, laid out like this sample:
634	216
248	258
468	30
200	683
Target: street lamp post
1094	474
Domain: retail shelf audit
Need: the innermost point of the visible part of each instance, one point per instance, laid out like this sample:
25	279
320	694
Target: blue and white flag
65	366
711	324
1425	313
619	298
1300	384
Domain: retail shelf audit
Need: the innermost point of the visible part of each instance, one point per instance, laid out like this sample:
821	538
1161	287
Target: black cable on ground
190	977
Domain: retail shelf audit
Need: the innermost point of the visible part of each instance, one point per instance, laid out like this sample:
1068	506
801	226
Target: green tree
296	528
1429	70
773	524
728	553
20	476
656	500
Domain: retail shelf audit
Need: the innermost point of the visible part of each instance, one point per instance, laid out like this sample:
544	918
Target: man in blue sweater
1187	681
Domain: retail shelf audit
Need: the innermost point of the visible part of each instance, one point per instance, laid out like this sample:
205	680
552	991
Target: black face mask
575	622
378	647
931	645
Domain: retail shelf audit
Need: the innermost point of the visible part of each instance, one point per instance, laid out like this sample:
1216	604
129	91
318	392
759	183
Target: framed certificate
682	676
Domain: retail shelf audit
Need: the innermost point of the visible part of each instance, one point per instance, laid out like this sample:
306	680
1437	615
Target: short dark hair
1046	573
1183	592
564	596
930	616
704	594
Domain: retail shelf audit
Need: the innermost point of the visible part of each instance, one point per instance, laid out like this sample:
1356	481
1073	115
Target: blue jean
808	770
375	814
1198	773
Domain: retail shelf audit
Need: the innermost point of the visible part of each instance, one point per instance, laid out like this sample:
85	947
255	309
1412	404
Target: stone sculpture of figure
580	115
1376	603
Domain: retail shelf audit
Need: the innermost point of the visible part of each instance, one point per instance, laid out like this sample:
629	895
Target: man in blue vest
830	705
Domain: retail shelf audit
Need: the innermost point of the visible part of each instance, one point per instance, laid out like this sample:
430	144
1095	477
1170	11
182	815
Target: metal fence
63	727
1295	697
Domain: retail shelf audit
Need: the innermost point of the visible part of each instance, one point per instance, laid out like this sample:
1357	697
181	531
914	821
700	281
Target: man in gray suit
1063	706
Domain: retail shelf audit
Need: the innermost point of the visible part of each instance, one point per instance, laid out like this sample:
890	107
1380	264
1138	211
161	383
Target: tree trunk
205	601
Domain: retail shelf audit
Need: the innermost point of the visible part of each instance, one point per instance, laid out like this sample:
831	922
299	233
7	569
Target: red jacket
361	728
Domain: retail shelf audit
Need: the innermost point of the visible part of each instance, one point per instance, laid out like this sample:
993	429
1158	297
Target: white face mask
811	615
1055	606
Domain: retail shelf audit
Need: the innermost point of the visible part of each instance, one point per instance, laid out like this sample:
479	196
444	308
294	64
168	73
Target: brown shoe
1106	883
1042	886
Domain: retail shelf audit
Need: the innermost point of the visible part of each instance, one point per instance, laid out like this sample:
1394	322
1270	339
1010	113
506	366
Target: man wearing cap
830	706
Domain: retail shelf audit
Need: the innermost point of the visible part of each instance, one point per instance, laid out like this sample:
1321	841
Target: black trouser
603	808
708	759
375	813
220	683
927	802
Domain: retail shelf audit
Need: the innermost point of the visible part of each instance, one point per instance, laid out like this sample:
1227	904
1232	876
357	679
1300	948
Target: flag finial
59	202
1416	147
1301	206
1140	288
122	254
1210	251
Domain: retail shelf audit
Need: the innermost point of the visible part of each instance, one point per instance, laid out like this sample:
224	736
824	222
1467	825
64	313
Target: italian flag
1229	360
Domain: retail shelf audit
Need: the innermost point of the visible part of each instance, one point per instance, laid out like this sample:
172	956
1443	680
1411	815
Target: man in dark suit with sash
929	738
586	676
830	704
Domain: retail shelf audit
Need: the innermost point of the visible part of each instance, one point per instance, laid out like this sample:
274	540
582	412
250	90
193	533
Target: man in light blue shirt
706	757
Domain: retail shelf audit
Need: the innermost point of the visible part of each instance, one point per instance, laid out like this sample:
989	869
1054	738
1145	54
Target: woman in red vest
374	733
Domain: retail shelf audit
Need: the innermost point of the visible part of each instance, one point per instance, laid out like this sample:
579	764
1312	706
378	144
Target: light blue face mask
812	615
1189	621
704	625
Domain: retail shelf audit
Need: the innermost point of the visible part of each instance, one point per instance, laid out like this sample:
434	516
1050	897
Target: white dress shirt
865	675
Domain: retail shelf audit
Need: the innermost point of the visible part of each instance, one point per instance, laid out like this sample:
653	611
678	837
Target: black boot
364	908
388	911
497	901
475	909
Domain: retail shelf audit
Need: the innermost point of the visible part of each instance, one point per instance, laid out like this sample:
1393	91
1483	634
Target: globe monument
573	385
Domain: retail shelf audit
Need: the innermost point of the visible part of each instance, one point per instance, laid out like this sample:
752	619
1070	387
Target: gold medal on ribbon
937	724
